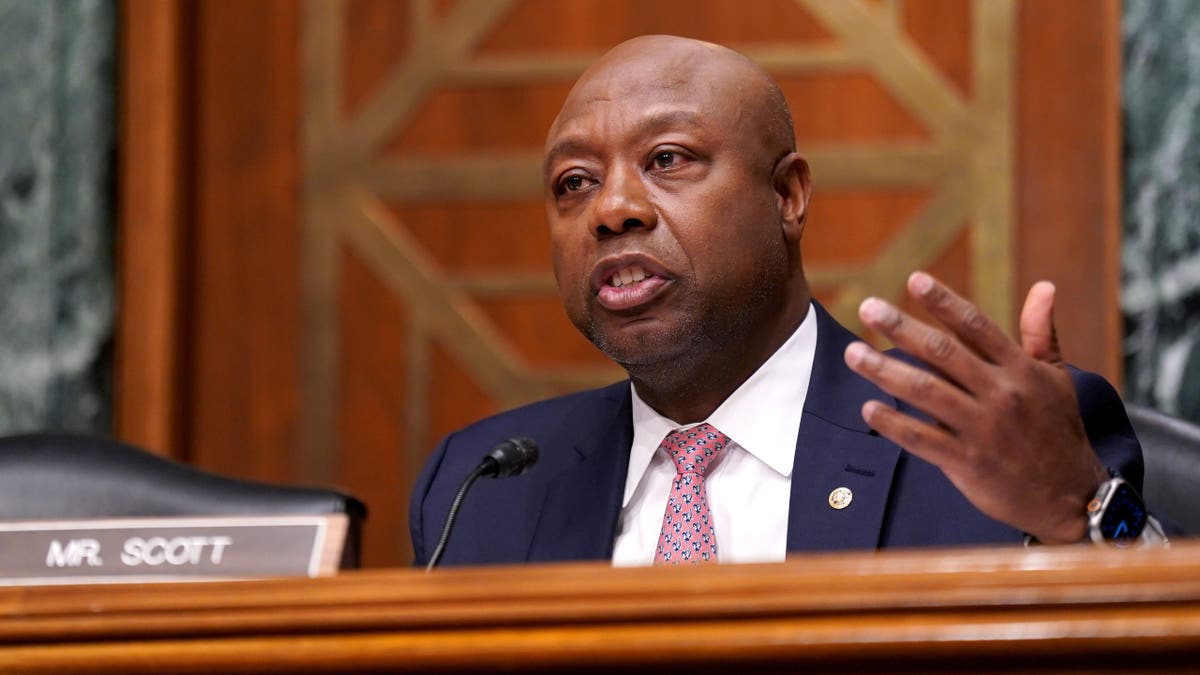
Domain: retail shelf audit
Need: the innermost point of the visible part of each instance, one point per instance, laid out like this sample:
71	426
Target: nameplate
137	550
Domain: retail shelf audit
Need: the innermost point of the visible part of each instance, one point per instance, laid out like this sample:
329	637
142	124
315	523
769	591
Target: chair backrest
62	476
1171	449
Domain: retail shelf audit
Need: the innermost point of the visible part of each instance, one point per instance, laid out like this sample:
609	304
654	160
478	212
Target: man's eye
665	160
573	183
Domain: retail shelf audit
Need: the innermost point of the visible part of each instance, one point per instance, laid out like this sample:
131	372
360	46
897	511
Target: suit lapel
576	502
576	499
836	449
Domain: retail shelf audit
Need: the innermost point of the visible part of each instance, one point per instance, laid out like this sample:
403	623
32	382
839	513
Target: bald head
657	68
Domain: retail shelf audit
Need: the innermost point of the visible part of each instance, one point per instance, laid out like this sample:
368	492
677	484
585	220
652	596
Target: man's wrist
1074	525
1152	536
1117	516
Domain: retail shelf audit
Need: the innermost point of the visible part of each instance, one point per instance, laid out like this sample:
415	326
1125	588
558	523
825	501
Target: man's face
664	222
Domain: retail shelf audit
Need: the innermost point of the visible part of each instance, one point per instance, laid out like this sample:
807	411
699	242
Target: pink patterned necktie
687	531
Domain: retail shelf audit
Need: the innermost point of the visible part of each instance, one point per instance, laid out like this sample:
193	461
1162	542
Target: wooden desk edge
939	608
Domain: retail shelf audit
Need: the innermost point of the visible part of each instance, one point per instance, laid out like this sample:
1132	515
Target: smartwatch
1117	514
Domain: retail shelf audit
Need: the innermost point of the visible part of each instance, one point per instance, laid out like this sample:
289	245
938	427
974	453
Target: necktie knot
694	450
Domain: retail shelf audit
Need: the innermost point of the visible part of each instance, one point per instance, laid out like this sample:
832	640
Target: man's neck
688	392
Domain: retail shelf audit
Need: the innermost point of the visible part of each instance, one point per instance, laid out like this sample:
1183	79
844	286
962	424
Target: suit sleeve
1112	436
1108	426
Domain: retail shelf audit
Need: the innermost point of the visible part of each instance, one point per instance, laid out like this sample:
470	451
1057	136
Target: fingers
924	440
935	347
962	318
1038	336
922	389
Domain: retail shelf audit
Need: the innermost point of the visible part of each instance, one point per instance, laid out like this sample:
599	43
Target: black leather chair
61	476
1171	448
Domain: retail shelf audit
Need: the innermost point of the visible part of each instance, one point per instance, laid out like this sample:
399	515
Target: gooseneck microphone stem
513	457
453	514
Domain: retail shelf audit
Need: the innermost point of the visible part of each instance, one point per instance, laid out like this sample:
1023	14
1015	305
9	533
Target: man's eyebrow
567	146
650	124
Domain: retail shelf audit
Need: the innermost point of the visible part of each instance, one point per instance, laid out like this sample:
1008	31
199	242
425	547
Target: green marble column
56	184
1161	257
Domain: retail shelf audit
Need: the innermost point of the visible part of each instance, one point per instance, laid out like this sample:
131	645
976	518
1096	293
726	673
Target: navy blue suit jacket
566	506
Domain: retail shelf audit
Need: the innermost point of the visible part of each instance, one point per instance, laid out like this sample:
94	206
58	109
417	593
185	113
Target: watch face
1124	517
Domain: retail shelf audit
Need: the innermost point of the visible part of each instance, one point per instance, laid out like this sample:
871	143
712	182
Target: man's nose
622	205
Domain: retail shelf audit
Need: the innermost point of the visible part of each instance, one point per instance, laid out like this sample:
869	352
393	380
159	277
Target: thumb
1038	337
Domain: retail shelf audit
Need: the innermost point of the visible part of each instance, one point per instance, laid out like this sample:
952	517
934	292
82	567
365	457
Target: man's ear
793	187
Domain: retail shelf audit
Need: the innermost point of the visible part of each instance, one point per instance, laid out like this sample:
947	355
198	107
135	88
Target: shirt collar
762	415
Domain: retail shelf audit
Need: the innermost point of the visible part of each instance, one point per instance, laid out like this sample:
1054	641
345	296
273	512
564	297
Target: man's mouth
628	287
627	276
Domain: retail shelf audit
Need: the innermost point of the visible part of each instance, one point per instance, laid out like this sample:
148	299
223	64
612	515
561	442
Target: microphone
512	457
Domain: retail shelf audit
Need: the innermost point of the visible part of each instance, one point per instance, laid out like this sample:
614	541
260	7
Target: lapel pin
841	498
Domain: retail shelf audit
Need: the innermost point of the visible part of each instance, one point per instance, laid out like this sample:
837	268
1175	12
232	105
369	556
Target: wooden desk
952	610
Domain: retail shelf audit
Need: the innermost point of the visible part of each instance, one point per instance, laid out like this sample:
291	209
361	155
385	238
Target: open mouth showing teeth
630	287
628	275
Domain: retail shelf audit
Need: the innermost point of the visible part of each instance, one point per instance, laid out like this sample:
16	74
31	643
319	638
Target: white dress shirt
749	486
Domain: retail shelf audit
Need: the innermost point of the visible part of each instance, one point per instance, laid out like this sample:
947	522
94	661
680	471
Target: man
676	203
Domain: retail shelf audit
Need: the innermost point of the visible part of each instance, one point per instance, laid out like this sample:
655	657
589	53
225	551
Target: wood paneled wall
363	261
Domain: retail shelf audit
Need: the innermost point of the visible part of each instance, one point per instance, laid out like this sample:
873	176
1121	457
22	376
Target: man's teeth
628	275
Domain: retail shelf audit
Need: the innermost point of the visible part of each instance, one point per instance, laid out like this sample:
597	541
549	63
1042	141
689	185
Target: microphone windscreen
512	457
